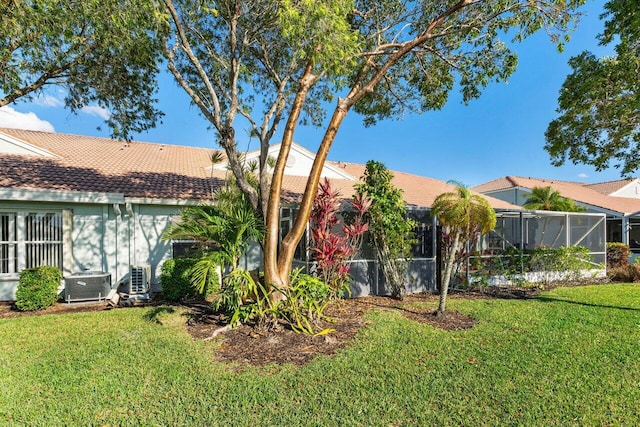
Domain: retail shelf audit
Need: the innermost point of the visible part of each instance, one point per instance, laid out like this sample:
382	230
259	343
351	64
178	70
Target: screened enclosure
521	244
522	240
366	274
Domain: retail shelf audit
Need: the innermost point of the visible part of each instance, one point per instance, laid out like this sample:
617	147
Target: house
618	200
88	204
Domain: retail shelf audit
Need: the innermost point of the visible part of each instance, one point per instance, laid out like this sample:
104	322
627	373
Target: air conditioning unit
139	279
87	286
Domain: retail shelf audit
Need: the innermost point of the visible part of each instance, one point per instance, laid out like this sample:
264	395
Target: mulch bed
247	345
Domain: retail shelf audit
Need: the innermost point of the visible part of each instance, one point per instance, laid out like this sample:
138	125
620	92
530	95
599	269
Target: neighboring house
619	200
85	203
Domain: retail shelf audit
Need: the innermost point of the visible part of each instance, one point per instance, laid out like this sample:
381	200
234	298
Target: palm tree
548	199
462	213
223	231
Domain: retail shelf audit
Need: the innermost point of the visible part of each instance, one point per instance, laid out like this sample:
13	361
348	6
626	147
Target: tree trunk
276	272
444	286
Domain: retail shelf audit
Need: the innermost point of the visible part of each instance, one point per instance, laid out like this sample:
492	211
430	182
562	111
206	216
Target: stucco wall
103	240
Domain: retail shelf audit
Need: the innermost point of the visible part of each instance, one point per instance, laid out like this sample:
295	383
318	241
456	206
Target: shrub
619	274
634	272
626	274
242	298
38	288
332	251
305	302
175	280
617	255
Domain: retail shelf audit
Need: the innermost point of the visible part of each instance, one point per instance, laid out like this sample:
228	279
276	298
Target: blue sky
502	133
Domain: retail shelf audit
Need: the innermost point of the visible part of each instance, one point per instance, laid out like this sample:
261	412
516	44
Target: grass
569	357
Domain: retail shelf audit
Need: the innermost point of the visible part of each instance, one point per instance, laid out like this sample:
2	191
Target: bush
617	255
175	280
305	302
629	273
38	288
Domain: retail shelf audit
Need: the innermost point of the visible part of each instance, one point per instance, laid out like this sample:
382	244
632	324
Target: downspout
118	213
129	216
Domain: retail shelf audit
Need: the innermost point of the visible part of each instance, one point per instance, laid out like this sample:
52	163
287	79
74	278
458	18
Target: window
30	239
43	238
8	243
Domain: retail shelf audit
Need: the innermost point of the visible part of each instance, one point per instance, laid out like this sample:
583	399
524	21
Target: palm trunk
444	287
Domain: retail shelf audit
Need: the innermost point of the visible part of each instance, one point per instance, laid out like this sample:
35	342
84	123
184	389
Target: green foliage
617	255
548	199
390	230
304	303
322	34
510	264
554	265
103	52
177	278
242	298
381	58
572	259
38	288
598	106
223	230
468	49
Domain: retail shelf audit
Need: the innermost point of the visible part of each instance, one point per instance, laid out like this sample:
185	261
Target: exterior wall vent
139	279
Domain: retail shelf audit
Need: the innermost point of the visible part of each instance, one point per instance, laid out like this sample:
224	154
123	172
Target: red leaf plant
334	242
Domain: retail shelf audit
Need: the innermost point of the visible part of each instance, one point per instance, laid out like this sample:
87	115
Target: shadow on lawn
545	298
154	314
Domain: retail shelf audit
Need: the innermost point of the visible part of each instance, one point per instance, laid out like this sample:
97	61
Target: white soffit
58	196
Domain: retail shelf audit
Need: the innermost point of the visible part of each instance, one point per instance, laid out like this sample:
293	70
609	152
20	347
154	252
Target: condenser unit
139	279
87	286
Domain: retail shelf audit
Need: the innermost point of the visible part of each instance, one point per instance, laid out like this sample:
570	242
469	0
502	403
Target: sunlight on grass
571	356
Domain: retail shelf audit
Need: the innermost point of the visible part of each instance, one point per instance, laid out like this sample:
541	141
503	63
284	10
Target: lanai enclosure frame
521	230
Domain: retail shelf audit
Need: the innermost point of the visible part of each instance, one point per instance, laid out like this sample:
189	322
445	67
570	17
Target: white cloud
48	101
96	110
583	175
10	118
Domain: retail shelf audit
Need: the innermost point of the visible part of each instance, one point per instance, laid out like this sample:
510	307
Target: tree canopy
95	51
599	103
278	63
548	199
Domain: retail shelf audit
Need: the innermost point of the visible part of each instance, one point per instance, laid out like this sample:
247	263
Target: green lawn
569	357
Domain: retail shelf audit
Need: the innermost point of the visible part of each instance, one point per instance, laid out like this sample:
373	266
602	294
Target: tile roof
420	191
610	187
141	169
136	169
583	193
